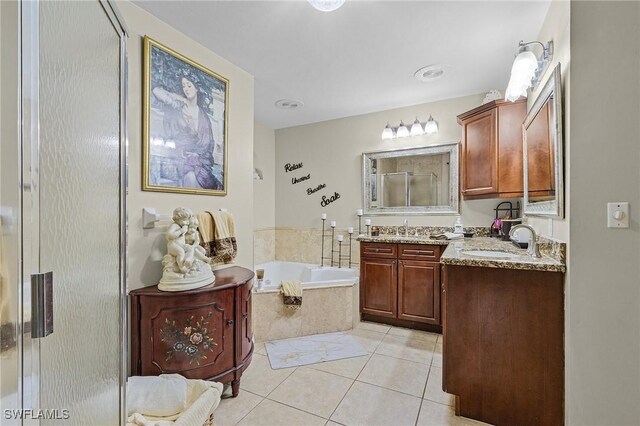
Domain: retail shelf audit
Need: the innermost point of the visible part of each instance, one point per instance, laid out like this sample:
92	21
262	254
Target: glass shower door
76	207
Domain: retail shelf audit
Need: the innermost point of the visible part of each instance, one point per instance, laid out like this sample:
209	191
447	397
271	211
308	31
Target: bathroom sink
490	253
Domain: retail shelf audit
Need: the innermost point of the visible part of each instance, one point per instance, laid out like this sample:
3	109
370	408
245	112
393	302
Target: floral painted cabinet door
191	335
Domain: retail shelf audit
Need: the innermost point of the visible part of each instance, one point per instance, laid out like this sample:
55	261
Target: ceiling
360	58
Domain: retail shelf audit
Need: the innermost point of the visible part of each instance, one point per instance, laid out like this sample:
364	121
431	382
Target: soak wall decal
328	200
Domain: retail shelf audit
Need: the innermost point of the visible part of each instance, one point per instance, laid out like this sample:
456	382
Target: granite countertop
421	239
455	255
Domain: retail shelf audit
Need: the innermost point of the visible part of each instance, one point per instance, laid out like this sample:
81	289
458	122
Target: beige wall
556	28
331	152
264	194
146	247
603	334
264	191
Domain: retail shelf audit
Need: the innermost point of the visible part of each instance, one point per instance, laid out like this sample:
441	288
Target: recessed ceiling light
430	72
289	104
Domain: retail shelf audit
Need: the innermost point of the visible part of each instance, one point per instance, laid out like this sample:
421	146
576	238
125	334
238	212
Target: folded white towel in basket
201	398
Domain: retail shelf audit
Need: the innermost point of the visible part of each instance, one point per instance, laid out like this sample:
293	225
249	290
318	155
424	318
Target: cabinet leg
235	388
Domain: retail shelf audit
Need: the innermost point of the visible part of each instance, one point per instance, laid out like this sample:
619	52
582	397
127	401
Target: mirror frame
453	149
554	208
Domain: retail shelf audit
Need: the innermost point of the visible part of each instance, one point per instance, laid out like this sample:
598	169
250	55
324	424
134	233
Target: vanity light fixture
430	127
326	5
527	69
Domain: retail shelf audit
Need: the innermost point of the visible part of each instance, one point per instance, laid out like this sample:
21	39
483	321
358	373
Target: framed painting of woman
185	124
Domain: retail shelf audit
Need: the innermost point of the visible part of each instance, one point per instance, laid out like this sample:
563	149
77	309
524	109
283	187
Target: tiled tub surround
323	310
329	301
264	245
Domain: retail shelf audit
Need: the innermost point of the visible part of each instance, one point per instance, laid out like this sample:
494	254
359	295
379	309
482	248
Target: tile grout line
424	391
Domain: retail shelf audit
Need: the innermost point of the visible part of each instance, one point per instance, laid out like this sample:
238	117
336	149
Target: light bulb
416	128
431	126
402	132
522	72
388	132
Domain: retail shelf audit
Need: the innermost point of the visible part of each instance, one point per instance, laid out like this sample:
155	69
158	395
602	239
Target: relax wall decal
291	167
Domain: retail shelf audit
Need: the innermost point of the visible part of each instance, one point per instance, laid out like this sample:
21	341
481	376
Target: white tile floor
398	383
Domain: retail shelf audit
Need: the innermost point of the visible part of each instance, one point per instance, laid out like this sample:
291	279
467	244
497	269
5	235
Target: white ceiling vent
430	72
289	104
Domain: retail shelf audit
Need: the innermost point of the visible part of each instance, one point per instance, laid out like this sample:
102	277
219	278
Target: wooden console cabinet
400	284
503	355
491	151
201	334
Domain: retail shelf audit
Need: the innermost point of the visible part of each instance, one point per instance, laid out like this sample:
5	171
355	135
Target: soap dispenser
458	226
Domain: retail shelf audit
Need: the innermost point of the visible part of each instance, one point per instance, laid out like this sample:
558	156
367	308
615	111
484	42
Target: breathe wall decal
316	189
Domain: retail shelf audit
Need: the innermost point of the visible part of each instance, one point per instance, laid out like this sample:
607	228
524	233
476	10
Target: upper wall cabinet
491	156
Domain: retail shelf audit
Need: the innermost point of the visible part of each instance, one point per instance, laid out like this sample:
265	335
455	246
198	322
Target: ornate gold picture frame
184	124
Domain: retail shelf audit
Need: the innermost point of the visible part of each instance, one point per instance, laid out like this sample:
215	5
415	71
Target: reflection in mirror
411	181
542	135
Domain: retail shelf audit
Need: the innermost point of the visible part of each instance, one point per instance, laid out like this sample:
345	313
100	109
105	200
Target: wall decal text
326	201
316	189
300	179
291	167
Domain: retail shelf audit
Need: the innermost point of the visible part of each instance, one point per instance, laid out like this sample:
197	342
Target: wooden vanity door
379	287
479	149
192	335
419	291
246	331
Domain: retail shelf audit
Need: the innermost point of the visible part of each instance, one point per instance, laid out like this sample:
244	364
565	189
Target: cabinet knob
230	322
245	315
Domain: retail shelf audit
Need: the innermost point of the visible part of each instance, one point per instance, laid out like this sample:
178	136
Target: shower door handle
41	304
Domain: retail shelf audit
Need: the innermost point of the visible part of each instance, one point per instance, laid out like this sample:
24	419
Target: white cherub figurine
185	265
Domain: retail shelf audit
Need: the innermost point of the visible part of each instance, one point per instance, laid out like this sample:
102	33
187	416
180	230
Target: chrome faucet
406	227
533	250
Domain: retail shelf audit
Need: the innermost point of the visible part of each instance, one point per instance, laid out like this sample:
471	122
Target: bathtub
329	301
309	274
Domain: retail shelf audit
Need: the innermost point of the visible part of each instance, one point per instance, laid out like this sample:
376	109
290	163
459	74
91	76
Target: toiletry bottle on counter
458	226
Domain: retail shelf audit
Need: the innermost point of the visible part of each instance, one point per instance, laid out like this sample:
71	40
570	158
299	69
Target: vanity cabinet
503	347
491	150
400	284
203	333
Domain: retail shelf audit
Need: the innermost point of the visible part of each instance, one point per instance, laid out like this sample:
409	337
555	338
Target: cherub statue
185	265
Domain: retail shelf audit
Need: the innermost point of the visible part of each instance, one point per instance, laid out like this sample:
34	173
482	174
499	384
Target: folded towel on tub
291	294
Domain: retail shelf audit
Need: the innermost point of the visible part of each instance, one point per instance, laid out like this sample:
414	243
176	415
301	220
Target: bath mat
312	349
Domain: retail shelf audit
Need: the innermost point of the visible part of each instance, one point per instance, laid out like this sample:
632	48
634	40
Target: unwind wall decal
325	199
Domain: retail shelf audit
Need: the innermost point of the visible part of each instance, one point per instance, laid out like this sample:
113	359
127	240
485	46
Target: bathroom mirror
411	181
542	151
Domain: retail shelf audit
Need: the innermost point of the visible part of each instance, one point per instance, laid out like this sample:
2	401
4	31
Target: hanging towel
291	294
206	231
224	248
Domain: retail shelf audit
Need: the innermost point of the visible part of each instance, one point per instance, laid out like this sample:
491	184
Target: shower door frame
28	216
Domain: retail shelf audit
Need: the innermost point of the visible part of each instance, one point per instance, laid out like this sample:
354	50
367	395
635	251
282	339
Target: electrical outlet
618	215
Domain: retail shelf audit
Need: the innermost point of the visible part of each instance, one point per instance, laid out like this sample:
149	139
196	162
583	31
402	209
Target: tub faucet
533	250
406	227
